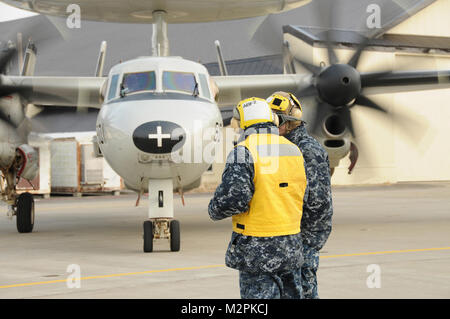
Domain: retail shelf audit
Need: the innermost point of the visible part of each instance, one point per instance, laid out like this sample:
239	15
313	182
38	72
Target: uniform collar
301	129
260	128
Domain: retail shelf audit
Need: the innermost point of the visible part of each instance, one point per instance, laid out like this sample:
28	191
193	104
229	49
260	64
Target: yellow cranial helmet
252	111
278	102
287	104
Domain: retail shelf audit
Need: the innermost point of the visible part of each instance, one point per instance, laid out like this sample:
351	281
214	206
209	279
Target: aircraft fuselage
159	115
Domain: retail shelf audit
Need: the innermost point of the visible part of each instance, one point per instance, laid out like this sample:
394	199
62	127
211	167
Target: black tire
25	213
175	235
148	236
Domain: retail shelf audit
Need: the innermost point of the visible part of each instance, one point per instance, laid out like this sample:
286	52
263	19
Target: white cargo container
76	169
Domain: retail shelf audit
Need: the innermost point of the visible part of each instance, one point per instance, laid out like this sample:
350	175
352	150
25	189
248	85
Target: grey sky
239	38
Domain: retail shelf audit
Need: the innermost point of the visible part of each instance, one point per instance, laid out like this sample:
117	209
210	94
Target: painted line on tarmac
214	266
387	252
50	208
113	275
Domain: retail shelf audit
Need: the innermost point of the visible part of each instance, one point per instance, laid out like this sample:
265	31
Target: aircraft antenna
101	60
160	40
220	60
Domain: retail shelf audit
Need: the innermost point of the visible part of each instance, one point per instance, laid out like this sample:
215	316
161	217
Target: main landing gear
21	206
161	224
25	213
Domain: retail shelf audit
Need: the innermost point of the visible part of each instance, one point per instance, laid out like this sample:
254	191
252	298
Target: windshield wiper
123	90
195	92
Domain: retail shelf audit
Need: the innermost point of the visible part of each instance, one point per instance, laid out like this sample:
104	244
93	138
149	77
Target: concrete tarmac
390	241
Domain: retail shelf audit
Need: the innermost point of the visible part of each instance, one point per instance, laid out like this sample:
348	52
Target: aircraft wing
404	81
233	89
55	90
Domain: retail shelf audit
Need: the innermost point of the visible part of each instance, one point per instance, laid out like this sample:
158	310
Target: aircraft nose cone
159	137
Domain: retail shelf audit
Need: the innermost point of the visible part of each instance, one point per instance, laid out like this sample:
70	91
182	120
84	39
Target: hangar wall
411	145
430	21
416	148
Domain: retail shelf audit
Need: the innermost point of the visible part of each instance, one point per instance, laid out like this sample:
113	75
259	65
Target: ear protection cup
234	124
236	114
296	112
288	107
276	119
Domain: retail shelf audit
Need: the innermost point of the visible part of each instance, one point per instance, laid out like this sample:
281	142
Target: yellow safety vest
280	183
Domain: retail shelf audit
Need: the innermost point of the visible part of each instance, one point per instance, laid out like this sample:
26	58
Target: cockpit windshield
179	81
142	81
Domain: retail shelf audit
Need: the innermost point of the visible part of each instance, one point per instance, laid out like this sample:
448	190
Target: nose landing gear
161	228
161	224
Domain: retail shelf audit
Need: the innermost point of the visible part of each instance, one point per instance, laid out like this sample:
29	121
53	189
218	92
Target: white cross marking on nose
159	136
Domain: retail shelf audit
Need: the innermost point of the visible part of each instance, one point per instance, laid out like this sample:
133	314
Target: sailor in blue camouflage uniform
269	266
316	222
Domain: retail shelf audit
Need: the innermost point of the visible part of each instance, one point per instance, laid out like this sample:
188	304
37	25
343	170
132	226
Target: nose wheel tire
25	213
148	236
175	235
161	229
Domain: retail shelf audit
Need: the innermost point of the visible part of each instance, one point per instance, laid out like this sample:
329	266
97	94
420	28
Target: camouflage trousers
270	285
309	272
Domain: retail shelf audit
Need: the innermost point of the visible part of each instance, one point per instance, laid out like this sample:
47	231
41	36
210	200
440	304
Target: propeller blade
325	14
6	90
308	91
314	69
332	58
5	58
346	117
322	109
288	59
404	78
26	91
366	102
7	119
357	55
412	127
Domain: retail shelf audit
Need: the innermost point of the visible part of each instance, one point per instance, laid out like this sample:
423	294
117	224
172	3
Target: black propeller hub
338	84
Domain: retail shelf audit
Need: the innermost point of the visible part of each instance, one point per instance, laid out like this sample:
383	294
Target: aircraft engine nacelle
7	154
12	109
29	160
335	139
337	149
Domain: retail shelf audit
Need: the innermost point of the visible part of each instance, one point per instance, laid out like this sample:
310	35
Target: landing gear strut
161	224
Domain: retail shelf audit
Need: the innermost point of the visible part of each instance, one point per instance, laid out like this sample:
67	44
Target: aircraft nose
159	137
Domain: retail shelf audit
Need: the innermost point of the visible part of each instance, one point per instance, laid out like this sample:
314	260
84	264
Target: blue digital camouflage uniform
269	267
317	207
